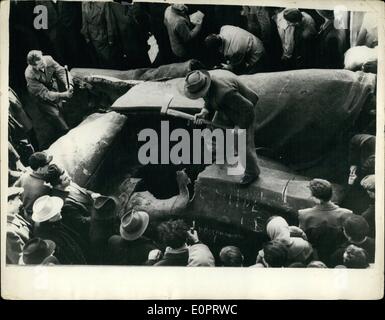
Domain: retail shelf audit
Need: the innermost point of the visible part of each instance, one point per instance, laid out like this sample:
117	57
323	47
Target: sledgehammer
179	114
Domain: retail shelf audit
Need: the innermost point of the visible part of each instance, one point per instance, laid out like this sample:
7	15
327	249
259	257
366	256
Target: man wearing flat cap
19	230
233	102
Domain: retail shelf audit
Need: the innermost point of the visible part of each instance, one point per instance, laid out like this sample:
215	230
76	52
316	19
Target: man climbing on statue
234	103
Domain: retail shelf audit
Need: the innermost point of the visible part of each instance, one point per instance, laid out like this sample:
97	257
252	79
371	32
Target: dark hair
33	56
275	253
356	227
321	189
357	258
173	233
213	42
292	15
231	256
53	175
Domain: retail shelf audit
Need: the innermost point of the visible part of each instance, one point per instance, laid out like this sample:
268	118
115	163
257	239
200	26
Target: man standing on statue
49	84
234	104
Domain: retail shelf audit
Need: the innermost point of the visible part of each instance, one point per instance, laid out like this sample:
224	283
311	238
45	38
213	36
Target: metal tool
67	77
179	114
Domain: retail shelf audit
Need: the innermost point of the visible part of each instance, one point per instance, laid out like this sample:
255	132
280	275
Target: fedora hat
133	224
46	207
37	250
196	84
105	207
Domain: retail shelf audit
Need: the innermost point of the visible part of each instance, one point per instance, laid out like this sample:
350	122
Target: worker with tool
234	104
49	84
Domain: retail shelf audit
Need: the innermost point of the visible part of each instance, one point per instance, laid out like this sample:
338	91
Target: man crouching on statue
49	84
233	103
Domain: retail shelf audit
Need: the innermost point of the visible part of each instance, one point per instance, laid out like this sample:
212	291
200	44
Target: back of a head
53	175
38	160
355	257
356	228
173	233
213	42
275	253
34	56
231	256
321	189
292	15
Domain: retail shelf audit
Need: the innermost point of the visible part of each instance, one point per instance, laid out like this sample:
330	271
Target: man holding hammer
234	104
48	84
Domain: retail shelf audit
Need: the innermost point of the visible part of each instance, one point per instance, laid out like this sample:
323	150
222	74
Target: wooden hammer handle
180	114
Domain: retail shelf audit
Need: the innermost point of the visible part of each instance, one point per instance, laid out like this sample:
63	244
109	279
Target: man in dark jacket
356	231
78	202
70	247
132	27
362	151
99	31
48	86
131	247
64	23
331	44
181	31
173	234
234	103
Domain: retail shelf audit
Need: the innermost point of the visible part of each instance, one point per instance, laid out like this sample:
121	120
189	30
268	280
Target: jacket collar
326	206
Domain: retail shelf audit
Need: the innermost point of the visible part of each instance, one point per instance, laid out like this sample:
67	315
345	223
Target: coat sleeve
38	89
60	72
248	93
239	109
183	32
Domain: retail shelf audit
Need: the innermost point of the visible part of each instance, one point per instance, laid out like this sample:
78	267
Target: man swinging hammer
48	84
234	104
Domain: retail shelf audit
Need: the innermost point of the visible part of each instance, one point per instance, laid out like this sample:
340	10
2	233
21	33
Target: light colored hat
196	84
46	207
133	224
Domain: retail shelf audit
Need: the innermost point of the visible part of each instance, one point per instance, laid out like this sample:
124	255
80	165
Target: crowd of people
52	220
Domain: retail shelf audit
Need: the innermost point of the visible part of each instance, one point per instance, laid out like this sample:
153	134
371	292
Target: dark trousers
252	167
53	113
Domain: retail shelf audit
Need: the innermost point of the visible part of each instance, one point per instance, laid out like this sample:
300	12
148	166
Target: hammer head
166	104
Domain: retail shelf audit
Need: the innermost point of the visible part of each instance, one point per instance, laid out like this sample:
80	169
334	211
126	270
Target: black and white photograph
159	137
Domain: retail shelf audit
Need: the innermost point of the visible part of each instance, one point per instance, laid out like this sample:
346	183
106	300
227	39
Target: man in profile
49	84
